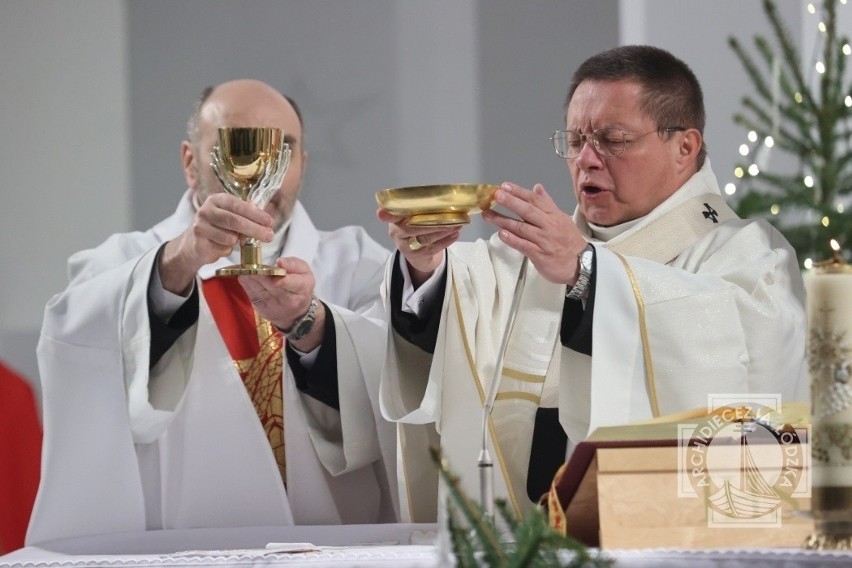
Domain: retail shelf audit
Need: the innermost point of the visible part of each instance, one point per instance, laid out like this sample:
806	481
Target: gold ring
414	243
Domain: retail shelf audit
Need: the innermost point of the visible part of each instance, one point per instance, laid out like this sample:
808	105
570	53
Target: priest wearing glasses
651	296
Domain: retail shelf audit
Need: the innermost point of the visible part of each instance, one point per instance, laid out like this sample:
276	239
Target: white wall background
95	96
64	157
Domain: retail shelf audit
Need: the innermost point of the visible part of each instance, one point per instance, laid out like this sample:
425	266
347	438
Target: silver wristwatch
302	326
580	288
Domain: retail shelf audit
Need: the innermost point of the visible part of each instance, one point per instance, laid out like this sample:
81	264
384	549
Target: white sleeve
307	358
414	300
162	302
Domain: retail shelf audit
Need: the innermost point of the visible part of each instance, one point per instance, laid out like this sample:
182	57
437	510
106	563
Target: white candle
829	294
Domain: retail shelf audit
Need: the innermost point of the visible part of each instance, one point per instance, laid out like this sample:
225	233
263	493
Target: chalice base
440	219
256	270
250	263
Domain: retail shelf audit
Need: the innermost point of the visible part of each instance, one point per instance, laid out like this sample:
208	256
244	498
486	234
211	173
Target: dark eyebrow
289	139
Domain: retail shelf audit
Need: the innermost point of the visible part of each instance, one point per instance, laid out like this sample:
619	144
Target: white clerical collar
703	181
606	233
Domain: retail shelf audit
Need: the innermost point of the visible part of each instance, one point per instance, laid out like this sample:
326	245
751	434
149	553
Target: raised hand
422	247
216	230
540	231
284	299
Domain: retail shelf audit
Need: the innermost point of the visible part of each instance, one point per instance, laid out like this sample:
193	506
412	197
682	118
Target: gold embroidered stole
663	240
257	349
523	379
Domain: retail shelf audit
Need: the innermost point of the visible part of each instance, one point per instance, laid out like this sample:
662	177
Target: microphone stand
486	466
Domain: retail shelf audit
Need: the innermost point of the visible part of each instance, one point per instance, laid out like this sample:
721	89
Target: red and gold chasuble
257	349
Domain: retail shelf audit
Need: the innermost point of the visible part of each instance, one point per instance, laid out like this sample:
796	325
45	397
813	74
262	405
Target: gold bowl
438	205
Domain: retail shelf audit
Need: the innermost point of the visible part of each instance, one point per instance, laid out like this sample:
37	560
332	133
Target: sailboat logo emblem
746	465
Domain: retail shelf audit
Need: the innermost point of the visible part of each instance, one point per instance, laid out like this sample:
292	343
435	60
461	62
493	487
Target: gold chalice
438	205
250	163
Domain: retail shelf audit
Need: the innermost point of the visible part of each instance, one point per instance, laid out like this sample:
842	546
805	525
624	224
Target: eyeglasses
607	141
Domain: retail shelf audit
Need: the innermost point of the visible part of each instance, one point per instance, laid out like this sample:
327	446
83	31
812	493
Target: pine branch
507	515
528	542
753	204
484	529
785	139
829	81
535	544
815	126
759	113
463	548
751	68
788	48
839	59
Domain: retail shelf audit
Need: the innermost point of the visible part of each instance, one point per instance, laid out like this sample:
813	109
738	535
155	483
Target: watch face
304	328
586	260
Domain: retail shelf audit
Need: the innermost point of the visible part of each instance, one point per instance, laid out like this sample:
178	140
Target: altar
400	545
397	545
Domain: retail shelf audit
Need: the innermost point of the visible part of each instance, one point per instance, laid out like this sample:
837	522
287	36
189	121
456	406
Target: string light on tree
804	111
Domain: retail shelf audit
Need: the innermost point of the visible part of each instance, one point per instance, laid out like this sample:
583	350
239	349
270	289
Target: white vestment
181	446
676	318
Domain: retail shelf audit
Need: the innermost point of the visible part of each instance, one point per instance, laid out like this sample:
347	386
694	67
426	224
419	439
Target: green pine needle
529	542
816	131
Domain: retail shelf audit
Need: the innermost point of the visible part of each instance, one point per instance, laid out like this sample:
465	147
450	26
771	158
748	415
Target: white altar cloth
396	545
413	556
402	545
250	538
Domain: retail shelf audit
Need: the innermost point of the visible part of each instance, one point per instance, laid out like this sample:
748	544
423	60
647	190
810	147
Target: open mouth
591	189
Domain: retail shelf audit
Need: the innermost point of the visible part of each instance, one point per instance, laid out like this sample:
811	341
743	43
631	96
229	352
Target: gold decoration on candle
829	292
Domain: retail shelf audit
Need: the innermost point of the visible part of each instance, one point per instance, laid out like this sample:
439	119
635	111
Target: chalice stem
250	252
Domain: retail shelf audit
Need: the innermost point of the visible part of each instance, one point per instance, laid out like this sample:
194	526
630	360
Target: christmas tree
807	119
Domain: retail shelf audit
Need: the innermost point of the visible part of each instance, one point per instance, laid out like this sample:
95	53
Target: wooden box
622	492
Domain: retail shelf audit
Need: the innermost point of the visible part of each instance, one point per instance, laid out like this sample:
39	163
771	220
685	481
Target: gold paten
251	163
438	205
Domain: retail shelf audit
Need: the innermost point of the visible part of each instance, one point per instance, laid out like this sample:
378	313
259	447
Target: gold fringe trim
521	376
518	395
643	332
494	439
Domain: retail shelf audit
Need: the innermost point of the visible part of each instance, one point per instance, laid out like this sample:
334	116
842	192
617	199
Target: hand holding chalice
251	163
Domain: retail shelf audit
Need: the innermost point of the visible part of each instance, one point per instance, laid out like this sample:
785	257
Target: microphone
486	465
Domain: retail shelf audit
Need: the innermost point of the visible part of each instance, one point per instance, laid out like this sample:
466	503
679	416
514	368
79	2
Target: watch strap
580	287
298	330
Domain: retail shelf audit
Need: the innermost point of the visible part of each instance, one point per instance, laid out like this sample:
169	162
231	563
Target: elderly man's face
249	105
615	189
